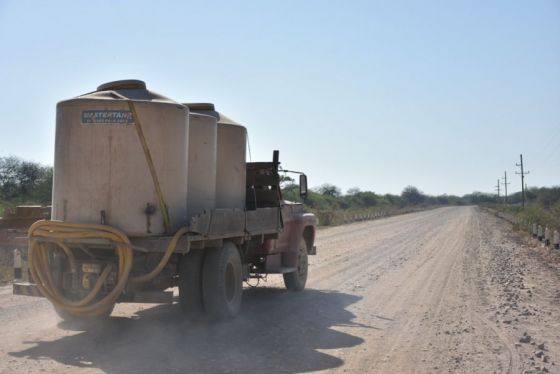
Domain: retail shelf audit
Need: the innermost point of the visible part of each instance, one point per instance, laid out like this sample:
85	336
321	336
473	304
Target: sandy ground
447	290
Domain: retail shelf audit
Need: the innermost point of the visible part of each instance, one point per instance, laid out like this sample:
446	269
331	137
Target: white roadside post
547	236
556	239
534	230
540	233
17	264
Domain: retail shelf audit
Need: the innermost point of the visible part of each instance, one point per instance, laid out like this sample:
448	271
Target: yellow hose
41	233
151	167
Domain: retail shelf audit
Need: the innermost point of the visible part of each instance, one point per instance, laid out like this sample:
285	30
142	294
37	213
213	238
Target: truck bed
216	225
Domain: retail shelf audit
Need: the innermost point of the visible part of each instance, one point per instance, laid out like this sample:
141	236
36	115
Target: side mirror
303	186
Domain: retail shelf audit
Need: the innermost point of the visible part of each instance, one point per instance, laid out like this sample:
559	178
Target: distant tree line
542	197
27	182
328	196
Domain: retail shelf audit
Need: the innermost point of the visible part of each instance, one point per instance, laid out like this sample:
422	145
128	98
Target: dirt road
447	290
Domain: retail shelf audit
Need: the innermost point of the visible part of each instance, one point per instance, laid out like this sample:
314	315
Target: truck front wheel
295	281
222	282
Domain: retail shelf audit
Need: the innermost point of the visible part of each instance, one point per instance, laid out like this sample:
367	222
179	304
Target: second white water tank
231	151
203	131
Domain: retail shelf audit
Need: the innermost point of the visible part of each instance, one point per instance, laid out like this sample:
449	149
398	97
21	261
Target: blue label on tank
107	116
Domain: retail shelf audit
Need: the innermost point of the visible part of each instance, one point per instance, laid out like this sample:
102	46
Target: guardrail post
556	239
17	264
539	233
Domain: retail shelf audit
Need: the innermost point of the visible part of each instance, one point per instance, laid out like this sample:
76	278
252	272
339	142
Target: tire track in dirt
357	256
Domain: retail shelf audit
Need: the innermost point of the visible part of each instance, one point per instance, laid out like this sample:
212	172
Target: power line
522	173
498	189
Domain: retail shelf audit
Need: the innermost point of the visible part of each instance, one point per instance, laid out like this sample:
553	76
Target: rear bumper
148	297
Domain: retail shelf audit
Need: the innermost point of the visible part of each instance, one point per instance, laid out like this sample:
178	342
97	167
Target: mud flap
313	251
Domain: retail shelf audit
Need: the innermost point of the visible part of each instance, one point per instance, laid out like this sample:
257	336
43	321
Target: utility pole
505	183
498	189
522	173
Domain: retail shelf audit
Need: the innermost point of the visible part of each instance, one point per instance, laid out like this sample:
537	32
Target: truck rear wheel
295	281
190	284
222	282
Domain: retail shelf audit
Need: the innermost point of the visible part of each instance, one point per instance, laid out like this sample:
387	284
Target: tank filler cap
127	84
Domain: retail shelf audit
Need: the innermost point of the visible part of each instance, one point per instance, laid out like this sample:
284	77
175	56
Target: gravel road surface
445	290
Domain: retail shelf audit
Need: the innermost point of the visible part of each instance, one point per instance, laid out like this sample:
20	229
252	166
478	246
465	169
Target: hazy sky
443	95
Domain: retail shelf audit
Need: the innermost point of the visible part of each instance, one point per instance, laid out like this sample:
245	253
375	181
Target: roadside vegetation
24	182
542	206
332	207
21	183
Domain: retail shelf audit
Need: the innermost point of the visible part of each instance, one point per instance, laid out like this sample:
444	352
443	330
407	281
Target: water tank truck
151	194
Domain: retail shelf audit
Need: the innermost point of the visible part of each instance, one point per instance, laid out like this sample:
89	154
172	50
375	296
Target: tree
29	174
9	184
25	181
286	181
479	198
413	196
353	191
547	197
328	189
393	200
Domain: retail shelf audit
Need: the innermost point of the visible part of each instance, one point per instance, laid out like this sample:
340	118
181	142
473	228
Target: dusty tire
190	284
295	281
222	282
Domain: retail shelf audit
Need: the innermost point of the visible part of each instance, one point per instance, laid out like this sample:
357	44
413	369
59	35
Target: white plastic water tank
100	168
231	163
202	163
231	169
